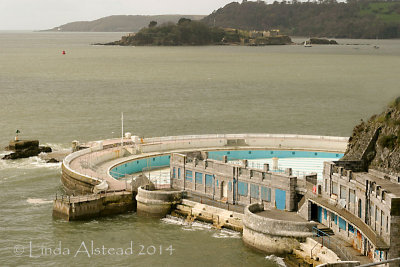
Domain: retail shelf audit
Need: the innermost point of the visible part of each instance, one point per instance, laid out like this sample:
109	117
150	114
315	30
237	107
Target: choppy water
162	91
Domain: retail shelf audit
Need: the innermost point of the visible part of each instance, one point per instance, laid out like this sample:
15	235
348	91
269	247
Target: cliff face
377	142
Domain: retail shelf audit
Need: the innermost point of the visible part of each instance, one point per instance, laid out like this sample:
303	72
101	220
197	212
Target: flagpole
122	129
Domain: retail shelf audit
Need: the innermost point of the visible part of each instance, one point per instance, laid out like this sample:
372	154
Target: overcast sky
45	14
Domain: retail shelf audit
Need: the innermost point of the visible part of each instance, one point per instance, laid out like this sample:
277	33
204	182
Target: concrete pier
94	205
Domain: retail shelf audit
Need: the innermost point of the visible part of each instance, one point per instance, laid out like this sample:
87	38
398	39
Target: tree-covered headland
189	32
322	18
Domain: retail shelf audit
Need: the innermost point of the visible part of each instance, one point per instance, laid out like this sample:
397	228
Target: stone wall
219	217
75	183
372	199
157	203
394	251
273	236
233	183
91	206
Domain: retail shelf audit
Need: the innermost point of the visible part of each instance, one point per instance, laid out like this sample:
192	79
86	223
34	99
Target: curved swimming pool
295	158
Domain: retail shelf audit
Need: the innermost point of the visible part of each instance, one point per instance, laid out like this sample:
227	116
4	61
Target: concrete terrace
100	157
281	215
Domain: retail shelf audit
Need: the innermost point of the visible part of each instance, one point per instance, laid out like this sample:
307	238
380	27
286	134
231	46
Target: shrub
396	103
388	141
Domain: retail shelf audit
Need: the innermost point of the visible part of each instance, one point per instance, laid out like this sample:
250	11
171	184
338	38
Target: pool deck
97	163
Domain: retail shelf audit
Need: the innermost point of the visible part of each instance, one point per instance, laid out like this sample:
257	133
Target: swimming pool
299	161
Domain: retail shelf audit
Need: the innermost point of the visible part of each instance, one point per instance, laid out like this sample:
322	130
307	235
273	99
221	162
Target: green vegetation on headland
188	32
354	19
120	23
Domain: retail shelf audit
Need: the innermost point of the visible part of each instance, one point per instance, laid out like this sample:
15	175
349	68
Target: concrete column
288	171
75	145
225	159
350	174
266	167
340	169
275	163
245	163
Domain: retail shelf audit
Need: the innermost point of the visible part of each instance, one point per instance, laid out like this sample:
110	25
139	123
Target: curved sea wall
77	180
157	203
73	181
270	235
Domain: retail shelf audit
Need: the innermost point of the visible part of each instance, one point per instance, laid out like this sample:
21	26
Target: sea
56	98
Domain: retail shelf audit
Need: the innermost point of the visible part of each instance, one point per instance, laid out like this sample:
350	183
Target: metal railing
381	262
325	240
215	203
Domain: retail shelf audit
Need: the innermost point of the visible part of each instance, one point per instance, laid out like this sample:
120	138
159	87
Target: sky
46	14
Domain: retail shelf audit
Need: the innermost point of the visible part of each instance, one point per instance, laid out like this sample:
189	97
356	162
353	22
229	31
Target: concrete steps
326	231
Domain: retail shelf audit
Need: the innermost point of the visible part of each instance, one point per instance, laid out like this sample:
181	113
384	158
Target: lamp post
16	135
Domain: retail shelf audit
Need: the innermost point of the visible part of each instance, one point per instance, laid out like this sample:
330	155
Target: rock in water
52	160
25	149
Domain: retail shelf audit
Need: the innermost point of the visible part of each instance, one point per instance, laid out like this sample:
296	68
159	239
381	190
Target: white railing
244	136
180	138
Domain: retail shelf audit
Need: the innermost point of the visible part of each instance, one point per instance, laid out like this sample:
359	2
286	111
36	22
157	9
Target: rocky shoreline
25	149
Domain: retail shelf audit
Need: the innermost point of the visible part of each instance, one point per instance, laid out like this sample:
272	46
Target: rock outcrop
25	149
322	41
377	141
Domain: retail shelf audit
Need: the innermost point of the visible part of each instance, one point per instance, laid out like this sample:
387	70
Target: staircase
325	231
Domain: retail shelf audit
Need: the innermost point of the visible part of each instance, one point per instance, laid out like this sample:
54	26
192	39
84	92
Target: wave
276	259
38	201
57	147
225	233
197	225
27	163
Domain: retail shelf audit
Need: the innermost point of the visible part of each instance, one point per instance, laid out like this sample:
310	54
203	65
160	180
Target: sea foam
38	201
276	259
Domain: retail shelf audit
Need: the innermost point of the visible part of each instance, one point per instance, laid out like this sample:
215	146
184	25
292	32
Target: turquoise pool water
140	165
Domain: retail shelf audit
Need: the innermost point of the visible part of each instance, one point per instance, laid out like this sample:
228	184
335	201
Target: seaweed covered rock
377	142
25	149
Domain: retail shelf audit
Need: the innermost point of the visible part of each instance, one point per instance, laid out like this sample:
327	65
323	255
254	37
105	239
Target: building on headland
360	206
271	33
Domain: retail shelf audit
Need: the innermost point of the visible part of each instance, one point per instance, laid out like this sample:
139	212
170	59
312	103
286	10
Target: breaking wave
38	201
196	226
276	259
27	163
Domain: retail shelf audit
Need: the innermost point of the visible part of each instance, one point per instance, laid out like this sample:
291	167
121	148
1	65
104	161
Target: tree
152	24
183	20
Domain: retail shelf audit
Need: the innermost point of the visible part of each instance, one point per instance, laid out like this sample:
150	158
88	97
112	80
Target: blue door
319	214
280	199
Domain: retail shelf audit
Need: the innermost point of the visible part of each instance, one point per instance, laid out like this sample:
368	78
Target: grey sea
322	90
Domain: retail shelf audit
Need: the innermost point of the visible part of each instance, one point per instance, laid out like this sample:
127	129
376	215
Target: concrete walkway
281	215
342	248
